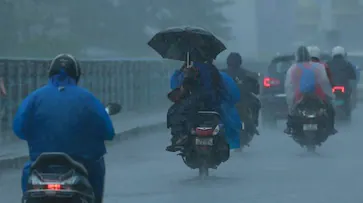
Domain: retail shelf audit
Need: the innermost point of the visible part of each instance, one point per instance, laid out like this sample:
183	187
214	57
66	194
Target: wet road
273	170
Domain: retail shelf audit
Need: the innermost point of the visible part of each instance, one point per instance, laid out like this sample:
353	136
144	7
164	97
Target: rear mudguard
343	105
195	156
247	134
315	138
343	111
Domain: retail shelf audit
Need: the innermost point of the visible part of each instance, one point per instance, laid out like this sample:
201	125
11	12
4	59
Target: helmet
302	54
234	58
338	51
65	63
314	52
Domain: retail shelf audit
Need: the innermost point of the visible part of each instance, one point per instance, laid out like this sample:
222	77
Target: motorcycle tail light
204	131
54	186
339	88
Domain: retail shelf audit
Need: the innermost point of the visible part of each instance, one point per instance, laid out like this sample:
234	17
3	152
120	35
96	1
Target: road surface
273	170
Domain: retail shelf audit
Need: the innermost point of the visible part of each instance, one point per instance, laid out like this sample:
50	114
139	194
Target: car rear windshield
280	67
282	64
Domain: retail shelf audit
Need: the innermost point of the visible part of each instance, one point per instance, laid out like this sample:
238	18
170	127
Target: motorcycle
206	146
248	129
342	102
310	123
57	178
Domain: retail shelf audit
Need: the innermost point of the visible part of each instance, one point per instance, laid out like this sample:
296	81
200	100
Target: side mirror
113	108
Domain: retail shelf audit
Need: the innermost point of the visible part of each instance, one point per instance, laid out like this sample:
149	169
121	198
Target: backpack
307	83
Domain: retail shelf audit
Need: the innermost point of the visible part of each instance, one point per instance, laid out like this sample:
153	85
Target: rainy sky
260	28
263	27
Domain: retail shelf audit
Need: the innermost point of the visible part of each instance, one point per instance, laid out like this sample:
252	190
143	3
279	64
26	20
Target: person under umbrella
198	84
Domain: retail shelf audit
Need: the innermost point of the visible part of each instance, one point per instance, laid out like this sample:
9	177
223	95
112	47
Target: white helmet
338	50
314	51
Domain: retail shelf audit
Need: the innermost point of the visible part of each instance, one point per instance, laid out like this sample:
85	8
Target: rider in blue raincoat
62	117
219	93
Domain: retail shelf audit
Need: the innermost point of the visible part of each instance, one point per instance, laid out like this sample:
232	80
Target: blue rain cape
62	117
230	96
229	113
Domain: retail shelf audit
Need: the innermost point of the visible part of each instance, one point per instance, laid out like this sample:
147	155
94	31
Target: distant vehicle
273	97
357	59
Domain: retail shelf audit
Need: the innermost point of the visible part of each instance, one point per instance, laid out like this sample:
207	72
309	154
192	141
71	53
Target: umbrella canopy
182	42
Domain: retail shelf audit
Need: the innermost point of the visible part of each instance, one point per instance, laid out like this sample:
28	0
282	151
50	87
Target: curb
135	132
18	162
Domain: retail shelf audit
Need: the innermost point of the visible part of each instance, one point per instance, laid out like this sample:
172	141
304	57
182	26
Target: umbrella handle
188	58
189	63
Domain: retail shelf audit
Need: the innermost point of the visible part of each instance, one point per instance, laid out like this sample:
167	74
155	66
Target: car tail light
269	82
339	88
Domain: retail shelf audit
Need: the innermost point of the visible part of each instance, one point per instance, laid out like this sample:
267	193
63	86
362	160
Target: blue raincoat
214	101
62	117
229	112
225	104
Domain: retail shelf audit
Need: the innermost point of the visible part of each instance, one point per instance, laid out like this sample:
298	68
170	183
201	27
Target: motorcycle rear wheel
203	171
311	148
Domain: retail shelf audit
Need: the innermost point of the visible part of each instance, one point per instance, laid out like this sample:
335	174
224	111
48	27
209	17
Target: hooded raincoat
306	77
62	117
229	113
224	103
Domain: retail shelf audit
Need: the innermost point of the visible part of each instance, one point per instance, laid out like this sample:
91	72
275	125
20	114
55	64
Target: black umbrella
187	43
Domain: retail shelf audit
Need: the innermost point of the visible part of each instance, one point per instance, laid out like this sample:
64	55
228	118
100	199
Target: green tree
133	23
8	33
118	26
114	26
90	22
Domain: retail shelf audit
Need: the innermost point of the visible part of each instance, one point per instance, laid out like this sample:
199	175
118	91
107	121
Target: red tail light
54	187
339	88
269	82
200	131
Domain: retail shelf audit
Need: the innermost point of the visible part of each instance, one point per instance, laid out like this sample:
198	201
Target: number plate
204	141
310	127
280	95
50	192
